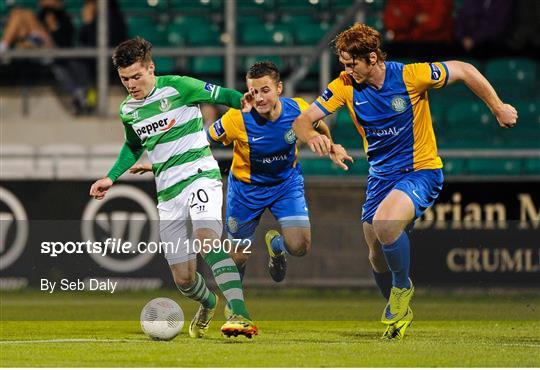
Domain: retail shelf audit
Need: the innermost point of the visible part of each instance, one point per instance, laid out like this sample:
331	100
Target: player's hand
140	169
339	155
99	189
248	100
506	115
320	144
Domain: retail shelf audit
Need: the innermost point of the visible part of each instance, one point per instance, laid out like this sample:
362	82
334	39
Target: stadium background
482	232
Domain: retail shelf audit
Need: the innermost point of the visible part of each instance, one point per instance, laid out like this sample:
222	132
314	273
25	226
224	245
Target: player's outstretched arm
303	128
140	169
459	71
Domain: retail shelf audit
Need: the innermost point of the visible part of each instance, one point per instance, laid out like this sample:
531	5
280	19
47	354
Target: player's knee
299	247
387	231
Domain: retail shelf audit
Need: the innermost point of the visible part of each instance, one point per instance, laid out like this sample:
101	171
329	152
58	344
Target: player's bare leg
295	241
393	215
381	273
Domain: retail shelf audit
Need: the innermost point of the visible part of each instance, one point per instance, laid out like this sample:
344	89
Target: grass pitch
298	328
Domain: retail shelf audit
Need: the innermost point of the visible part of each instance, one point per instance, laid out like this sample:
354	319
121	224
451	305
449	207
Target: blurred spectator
51	27
524	30
481	26
87	35
116	22
24	30
418	28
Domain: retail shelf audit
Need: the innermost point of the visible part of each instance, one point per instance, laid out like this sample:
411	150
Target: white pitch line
518	345
69	340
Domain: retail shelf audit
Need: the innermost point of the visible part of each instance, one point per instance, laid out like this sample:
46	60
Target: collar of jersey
152	91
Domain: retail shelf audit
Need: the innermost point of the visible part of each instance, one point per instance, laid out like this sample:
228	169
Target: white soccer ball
162	319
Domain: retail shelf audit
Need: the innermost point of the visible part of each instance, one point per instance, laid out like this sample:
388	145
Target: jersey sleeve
423	76
303	105
335	96
226	129
196	91
129	154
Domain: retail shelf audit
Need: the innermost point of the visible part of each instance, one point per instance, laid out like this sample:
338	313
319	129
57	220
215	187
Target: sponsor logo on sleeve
209	87
435	72
327	94
218	128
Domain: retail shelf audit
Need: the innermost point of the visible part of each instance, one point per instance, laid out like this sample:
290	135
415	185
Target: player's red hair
358	41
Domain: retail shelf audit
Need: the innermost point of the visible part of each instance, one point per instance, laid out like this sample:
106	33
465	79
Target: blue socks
384	282
398	258
278	245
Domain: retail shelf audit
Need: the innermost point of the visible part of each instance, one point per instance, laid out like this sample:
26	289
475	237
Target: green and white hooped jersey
168	124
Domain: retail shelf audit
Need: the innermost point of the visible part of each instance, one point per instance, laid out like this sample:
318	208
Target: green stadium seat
208	36
345	133
512	77
454	166
207	65
454	93
325	167
310	33
438	112
269	34
74	6
528	114
526	134
494	166
165	65
149	28
532	166
300	6
175	35
375	20
141	6
255	6
470	115
376	5
31	4
245	20
468	140
341	5
195	6
250	60
196	30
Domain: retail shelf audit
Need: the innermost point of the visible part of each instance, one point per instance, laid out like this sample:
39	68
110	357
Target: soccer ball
162	319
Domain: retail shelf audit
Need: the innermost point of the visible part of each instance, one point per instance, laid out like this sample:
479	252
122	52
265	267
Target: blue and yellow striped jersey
264	151
394	121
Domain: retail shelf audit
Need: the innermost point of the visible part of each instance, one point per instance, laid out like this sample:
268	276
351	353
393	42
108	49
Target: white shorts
201	203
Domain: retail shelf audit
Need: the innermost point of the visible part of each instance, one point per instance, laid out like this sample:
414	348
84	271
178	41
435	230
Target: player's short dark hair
264	68
359	41
132	51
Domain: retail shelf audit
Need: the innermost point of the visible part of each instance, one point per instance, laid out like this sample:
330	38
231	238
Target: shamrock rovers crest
164	105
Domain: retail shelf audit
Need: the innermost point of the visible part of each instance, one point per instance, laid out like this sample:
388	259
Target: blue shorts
422	186
247	202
